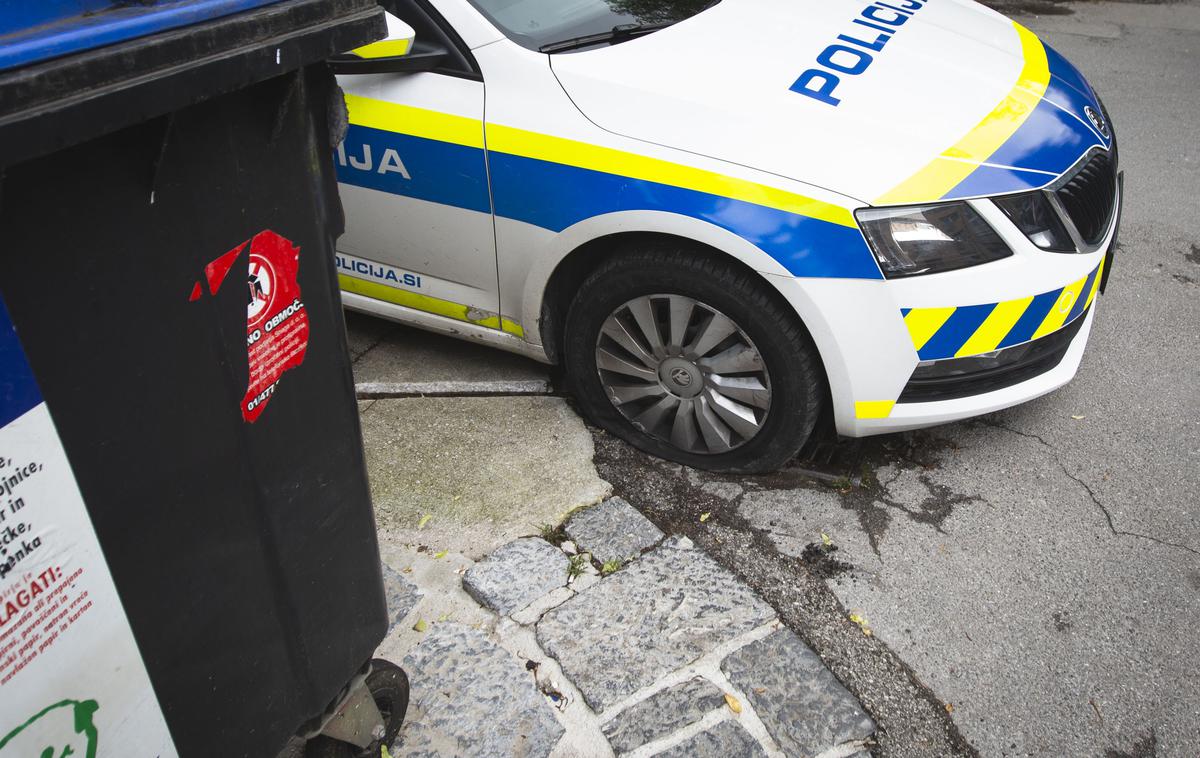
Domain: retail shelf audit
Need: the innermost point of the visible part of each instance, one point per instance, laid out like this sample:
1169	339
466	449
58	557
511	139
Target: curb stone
802	704
402	595
664	610
725	740
612	530
462	681
516	574
662	713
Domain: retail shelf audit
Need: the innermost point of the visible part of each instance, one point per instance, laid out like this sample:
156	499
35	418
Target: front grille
952	378
1088	197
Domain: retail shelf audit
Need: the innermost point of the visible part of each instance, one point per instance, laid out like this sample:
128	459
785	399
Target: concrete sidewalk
390	359
457	465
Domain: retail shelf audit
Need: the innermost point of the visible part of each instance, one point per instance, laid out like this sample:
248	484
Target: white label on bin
72	682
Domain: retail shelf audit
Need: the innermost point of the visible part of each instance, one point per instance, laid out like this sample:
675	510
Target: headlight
926	239
1034	216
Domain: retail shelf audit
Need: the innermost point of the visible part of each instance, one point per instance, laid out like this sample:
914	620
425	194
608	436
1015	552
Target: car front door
413	180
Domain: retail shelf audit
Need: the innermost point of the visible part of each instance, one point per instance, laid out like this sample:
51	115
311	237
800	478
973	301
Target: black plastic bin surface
241	541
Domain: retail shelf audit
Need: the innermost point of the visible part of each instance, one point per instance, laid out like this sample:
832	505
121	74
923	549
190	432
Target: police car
730	220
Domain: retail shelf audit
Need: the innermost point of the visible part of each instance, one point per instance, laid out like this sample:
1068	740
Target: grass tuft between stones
554	534
577	565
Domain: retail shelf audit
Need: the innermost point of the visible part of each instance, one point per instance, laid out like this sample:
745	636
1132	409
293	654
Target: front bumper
907	353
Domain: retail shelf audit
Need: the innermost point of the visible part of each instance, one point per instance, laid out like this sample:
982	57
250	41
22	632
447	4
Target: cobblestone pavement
543	649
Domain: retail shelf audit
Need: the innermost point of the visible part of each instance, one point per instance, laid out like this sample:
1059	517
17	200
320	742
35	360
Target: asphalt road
1031	579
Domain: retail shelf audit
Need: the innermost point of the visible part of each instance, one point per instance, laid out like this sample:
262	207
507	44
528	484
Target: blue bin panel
37	31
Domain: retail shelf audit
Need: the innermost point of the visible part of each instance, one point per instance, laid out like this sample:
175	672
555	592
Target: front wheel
693	360
388	685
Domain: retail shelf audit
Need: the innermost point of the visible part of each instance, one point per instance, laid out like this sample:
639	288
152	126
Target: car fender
541	267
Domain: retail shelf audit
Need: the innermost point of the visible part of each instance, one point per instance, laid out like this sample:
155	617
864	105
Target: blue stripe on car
555	196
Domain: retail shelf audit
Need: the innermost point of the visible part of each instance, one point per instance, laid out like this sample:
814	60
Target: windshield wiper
617	34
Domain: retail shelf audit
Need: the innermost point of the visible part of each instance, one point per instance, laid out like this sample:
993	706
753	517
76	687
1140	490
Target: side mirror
397	53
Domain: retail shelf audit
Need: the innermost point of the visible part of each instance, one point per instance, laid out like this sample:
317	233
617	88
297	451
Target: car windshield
538	23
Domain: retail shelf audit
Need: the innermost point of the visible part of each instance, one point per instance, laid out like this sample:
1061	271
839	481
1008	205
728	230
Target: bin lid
55	103
37	31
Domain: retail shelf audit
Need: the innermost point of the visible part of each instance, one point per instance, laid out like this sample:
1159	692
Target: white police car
726	218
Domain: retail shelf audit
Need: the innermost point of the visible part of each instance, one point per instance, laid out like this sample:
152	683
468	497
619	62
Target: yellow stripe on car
386	48
1061	308
1096	283
426	303
956	162
417	122
923	323
461	130
987	337
512	327
526	144
873	408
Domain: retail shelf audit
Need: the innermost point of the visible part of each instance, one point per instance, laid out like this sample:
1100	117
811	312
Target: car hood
957	101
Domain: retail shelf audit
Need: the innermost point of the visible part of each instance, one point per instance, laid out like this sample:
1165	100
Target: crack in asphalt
371	347
1108	518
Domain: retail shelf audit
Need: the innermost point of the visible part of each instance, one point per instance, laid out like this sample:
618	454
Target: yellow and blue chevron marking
1032	127
553	183
958	332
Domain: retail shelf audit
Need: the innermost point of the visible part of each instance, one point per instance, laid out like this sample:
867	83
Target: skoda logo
1096	119
681	377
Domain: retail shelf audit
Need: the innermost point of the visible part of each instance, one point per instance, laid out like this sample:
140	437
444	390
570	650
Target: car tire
640	283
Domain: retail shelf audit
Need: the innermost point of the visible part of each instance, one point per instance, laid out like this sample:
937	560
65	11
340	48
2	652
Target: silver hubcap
683	372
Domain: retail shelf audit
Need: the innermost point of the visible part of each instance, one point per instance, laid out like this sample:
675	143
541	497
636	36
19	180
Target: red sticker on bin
276	322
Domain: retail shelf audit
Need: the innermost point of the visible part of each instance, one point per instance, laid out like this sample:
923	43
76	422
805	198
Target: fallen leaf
441	554
949	707
759	690
825	539
1079	418
424	520
862	623
420	626
444	617
733	703
704	516
383	752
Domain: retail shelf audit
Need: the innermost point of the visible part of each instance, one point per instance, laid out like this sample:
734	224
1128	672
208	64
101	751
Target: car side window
433	32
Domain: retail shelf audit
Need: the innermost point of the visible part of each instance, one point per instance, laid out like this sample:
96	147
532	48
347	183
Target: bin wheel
388	685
